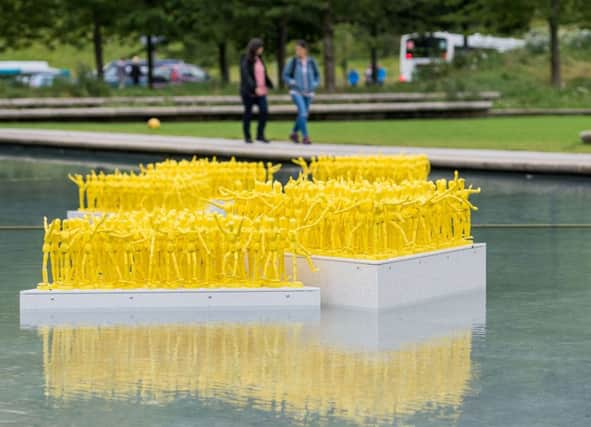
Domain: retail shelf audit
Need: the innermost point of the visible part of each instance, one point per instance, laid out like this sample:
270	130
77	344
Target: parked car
44	78
32	73
181	73
166	71
48	78
111	75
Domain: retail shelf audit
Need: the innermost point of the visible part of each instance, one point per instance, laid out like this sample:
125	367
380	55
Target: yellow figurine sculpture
156	230
169	249
170	184
367	168
362	219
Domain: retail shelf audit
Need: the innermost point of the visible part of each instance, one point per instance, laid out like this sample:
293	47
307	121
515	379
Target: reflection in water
276	368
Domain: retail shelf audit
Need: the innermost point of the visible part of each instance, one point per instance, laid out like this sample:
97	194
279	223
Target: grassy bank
558	134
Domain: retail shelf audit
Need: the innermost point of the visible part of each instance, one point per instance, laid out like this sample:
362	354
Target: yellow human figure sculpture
296	248
171	249
131	261
46	249
267	237
79	181
462	194
397	238
271	171
254	248
234	249
54	255
65	251
304	166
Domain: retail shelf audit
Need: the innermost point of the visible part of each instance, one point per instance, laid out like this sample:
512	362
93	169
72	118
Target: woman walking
302	77
254	85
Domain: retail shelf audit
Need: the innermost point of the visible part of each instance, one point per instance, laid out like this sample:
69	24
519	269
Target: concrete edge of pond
497	160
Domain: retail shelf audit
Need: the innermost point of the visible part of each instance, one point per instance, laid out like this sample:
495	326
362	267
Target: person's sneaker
306	140
264	140
248	140
294	137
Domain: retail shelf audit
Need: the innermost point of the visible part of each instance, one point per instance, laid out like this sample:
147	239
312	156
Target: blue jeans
303	104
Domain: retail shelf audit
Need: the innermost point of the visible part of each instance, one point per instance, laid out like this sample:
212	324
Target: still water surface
523	360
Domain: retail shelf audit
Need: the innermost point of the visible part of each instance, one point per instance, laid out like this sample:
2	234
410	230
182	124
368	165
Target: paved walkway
519	161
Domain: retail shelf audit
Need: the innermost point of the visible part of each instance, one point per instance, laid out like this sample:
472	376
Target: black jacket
247	80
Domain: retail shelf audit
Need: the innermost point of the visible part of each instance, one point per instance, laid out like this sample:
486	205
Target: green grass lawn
560	134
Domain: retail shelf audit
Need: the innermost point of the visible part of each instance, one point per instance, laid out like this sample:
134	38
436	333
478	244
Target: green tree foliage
515	16
277	22
210	21
23	22
380	17
510	15
227	25
148	18
557	13
78	21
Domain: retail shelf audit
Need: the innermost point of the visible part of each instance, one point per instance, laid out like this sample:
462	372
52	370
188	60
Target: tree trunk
465	36
374	55
150	51
329	62
553	23
280	52
223	62
97	39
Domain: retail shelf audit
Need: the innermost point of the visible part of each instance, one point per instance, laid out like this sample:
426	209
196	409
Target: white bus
15	68
420	49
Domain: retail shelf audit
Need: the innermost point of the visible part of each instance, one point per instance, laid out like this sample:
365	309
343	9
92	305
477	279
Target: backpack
292	66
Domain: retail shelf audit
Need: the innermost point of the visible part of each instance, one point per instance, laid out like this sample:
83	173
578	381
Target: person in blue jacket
353	78
302	78
381	75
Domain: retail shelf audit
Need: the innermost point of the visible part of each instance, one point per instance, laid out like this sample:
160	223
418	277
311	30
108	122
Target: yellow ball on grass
154	123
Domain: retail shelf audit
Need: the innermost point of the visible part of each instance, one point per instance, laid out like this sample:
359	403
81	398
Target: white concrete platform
377	285
76	299
182	316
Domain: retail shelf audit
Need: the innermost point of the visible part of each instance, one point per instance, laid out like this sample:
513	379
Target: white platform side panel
169	298
431	276
397	282
342	283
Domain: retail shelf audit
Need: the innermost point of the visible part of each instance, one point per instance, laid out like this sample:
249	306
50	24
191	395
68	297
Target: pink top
259	76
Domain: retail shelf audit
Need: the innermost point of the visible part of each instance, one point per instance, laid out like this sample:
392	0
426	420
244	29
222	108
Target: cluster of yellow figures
208	223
